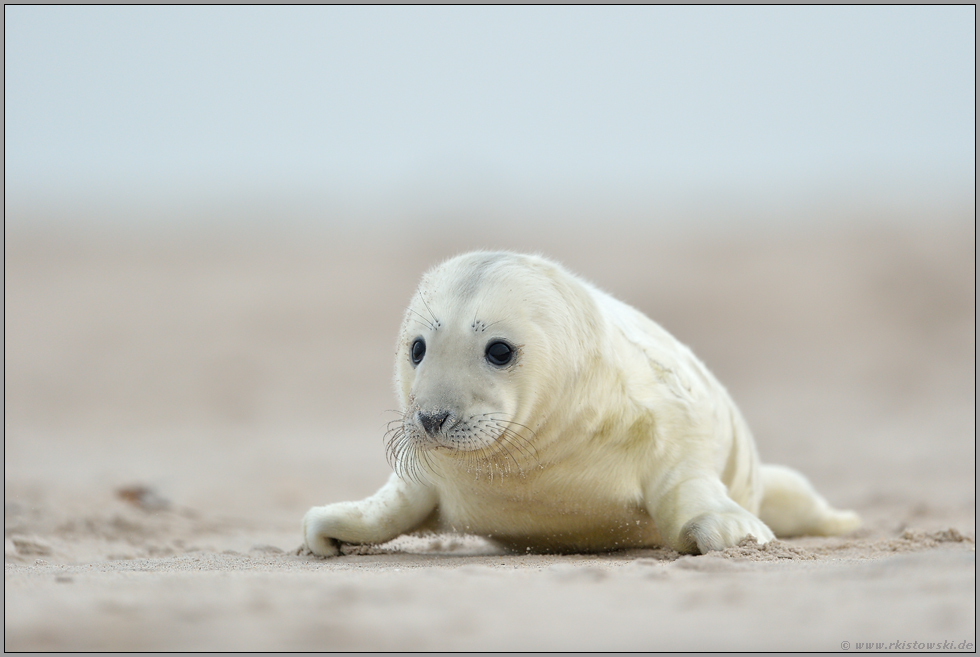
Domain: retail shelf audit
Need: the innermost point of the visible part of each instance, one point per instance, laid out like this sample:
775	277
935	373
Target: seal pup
541	413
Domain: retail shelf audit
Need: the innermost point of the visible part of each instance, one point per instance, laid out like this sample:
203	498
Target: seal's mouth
480	443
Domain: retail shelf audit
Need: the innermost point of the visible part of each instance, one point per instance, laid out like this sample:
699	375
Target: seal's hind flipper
791	506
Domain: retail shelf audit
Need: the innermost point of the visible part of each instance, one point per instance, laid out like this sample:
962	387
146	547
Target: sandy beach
176	401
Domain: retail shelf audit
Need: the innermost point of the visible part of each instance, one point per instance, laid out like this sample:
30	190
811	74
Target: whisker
504	448
429	466
423	320
424	324
518	441
518	424
435	321
485	445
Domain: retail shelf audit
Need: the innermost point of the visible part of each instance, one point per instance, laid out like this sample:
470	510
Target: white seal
543	414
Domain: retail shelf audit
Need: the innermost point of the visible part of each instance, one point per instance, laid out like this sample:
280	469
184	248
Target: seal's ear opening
499	353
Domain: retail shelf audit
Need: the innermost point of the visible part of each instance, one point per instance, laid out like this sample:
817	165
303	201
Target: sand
175	401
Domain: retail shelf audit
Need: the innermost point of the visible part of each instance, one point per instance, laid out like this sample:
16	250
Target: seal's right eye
418	351
499	353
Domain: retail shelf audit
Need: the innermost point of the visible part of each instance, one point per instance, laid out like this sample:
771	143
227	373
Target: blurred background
214	217
337	114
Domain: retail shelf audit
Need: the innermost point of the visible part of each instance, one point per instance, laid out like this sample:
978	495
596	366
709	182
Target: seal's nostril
432	422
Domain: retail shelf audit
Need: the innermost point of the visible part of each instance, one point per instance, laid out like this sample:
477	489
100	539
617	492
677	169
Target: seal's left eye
418	351
499	353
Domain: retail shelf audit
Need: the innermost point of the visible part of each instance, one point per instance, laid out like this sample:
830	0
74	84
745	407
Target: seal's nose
432	422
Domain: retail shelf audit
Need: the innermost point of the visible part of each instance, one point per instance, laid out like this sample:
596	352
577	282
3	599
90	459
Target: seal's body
544	414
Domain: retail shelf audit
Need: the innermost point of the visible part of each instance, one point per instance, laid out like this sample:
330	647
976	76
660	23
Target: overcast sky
356	104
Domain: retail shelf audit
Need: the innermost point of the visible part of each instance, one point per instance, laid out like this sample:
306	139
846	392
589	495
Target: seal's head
487	339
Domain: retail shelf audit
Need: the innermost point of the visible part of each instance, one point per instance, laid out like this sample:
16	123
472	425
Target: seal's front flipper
400	506
697	516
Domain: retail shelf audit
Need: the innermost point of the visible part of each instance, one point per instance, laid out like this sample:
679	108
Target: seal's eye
499	353
418	351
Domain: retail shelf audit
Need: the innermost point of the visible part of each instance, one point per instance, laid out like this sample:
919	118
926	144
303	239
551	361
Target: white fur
604	431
